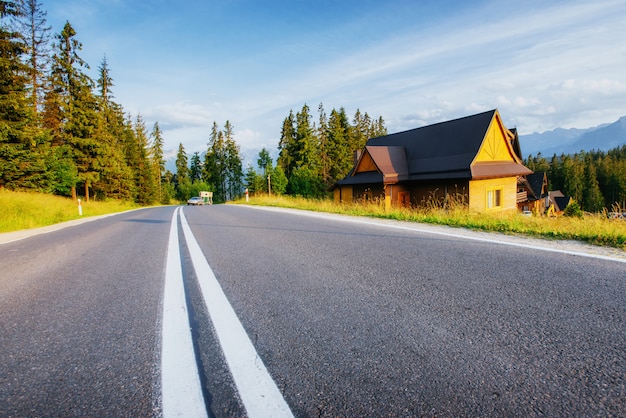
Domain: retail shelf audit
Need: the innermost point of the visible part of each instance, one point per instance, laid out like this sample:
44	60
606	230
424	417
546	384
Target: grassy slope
592	229
25	210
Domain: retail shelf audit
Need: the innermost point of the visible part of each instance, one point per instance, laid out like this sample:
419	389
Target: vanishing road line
257	390
181	389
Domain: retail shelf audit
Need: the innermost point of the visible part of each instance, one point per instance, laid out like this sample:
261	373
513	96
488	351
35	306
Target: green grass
593	228
25	210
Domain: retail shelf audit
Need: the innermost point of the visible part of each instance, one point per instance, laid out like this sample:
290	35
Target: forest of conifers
596	180
62	132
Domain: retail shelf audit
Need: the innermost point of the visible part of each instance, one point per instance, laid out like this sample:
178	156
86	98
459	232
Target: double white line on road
180	383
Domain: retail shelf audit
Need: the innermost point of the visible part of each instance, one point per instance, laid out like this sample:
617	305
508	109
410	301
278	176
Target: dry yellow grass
593	228
25	210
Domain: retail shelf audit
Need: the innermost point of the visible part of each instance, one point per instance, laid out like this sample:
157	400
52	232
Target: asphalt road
350	318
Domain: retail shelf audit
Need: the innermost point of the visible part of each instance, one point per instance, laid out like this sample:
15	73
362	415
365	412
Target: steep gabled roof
391	162
536	182
472	147
442	150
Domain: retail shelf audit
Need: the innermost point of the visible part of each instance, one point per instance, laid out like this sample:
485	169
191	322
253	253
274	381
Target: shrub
573	210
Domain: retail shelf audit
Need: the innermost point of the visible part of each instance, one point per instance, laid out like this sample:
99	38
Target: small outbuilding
474	160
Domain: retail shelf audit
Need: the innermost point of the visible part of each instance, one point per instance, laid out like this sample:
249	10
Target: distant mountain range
569	141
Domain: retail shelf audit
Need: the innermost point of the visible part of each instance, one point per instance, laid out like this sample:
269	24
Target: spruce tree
340	147
264	161
287	144
593	199
195	168
158	159
105	82
214	163
182	170
144	174
234	169
71	89
36	34
20	166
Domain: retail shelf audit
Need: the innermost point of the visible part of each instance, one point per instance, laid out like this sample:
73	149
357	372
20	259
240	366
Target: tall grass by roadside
593	228
25	210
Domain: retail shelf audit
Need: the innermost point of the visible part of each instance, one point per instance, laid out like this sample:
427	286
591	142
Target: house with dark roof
557	202
532	192
474	160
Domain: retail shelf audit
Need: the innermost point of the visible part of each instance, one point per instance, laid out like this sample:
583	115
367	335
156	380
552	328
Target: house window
494	198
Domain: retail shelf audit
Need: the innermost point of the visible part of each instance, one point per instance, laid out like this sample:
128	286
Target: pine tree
279	180
158	159
20	166
105	82
593	200
182	180
36	34
264	161
254	181
322	135
144	174
234	168
71	88
287	145
306	144
340	147
573	173
223	170
214	163
195	169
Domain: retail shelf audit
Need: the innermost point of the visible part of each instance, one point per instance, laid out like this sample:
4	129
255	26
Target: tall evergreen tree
306	144
593	199
234	167
195	168
158	159
264	161
182	171
322	134
214	163
36	34
105	82
573	173
144	174
254	181
20	166
76	106
222	164
340	147
287	145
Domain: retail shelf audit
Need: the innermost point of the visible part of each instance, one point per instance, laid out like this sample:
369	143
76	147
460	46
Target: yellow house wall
478	194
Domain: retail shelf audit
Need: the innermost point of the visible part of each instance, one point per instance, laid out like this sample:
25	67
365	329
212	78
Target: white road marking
181	389
258	391
468	235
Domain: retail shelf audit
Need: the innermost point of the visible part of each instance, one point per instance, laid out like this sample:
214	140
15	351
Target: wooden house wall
425	194
359	192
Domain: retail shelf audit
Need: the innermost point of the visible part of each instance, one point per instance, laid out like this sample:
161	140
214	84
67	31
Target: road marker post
80	209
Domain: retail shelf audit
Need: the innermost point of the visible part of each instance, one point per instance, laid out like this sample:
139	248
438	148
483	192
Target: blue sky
543	64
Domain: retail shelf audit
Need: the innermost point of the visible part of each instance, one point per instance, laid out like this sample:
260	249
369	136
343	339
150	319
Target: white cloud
542	64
